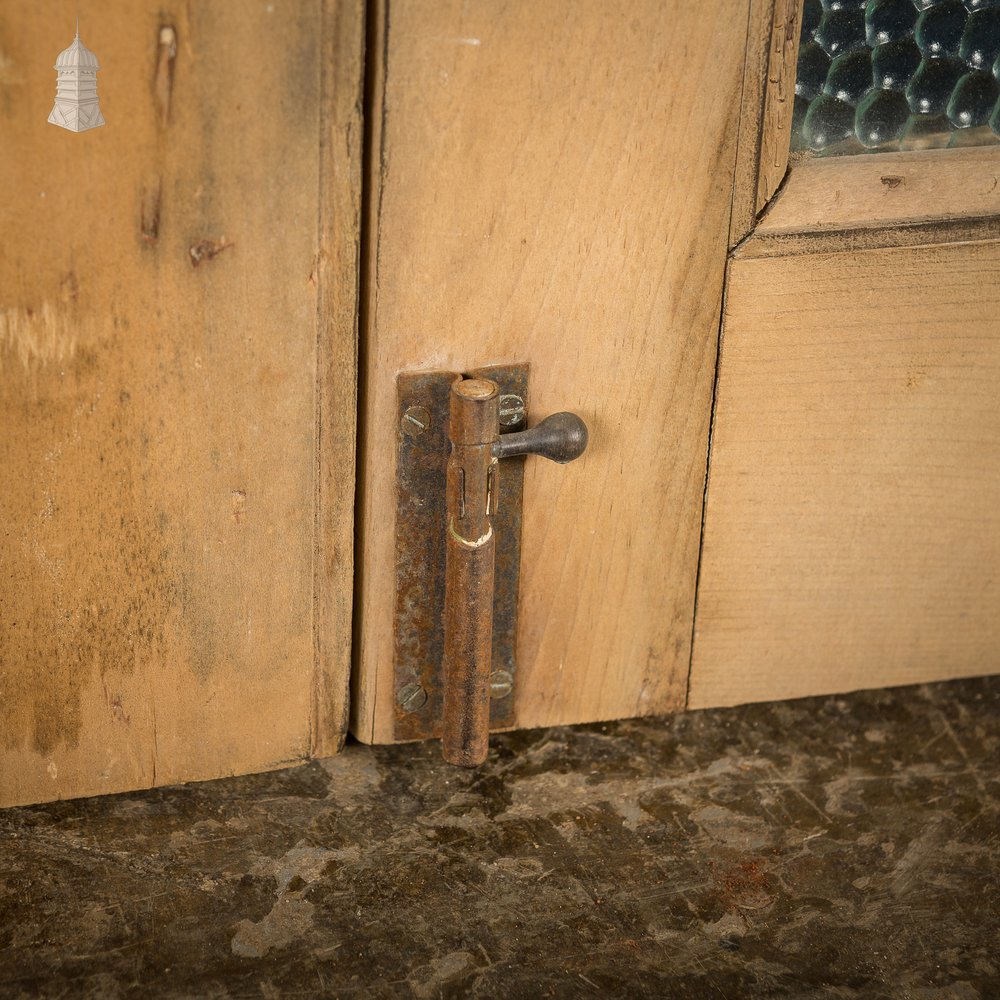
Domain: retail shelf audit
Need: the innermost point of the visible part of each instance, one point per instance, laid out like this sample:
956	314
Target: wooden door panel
552	183
176	333
852	532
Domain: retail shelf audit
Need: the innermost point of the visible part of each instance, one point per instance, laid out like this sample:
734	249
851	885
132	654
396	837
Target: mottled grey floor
835	847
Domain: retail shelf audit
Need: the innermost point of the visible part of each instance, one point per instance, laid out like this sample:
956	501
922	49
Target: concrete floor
834	847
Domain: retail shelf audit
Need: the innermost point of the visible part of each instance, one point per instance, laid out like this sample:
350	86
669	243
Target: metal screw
415	421
501	684
412	697
511	410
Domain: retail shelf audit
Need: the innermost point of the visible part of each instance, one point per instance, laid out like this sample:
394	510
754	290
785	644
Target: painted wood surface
173	286
852	534
552	183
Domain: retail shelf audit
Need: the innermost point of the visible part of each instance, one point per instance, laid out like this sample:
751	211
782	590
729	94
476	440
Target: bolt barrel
472	485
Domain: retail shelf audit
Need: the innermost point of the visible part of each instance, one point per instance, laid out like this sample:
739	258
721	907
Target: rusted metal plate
513	382
422	410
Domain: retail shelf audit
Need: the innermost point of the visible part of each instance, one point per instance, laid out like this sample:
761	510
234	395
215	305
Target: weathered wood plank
161	304
890	189
852	534
337	271
552	183
765	124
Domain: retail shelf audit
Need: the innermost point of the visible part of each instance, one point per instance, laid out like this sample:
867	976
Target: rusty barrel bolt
473	483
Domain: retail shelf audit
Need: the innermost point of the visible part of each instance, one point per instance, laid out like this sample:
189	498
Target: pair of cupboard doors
789	372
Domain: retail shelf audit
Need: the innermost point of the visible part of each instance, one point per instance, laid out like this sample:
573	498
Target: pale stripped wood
552	184
852	534
765	124
337	271
843	193
776	130
911	234
161	302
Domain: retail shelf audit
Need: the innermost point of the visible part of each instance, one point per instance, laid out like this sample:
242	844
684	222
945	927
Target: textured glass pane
878	75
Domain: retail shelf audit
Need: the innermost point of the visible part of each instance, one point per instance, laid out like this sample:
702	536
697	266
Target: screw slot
415	421
411	697
501	684
511	410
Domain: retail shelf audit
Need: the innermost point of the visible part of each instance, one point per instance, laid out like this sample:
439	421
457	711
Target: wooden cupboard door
178	393
852	534
552	183
852	527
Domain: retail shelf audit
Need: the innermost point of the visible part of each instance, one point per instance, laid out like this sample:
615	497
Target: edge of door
336	273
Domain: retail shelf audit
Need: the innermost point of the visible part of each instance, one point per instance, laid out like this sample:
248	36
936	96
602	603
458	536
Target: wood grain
161	304
765	124
852	534
776	130
337	272
858	239
552	183
845	192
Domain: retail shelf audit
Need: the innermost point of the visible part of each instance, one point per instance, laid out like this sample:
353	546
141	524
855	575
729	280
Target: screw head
511	410
415	421
411	697
501	684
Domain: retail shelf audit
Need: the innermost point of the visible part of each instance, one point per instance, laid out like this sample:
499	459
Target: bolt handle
561	438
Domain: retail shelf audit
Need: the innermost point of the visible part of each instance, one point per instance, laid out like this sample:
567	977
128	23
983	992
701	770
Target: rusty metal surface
561	438
467	645
513	382
472	486
420	549
423	409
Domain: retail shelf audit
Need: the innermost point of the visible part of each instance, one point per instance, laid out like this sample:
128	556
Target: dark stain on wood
150	218
207	249
93	565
